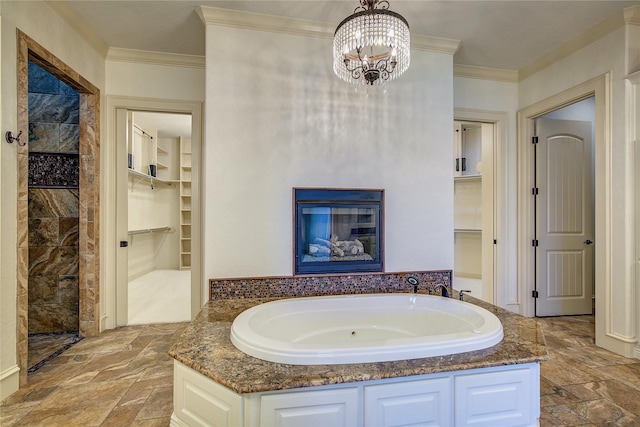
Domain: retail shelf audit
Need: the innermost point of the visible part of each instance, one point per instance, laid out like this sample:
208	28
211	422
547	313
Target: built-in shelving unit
473	211
185	203
162	158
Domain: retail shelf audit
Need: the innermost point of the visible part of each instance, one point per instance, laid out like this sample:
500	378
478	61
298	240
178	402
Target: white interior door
564	218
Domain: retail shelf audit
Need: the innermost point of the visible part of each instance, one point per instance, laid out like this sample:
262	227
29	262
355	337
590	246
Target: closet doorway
154	186
474	207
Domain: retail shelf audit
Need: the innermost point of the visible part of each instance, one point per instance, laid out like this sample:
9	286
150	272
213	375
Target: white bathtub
363	328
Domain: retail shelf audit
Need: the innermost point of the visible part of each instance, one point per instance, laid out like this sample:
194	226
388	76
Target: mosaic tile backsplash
302	286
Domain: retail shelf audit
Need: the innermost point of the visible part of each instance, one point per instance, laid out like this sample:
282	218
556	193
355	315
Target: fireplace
338	231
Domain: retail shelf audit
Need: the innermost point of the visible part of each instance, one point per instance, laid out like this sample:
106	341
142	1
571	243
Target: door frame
600	88
114	305
499	119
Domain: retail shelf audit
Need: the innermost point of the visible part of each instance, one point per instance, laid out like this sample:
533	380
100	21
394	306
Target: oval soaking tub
338	329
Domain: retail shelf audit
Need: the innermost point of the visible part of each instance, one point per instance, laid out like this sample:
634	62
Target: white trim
9	381
483	73
632	15
302	27
199	286
155	58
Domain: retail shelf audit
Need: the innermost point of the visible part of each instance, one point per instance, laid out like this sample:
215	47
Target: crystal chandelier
372	45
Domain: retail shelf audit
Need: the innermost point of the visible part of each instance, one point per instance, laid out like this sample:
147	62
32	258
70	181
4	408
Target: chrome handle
588	242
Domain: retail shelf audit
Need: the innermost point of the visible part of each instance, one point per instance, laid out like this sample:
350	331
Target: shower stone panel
43	232
68	234
42	81
69	138
46	203
43	289
44	137
47	108
53	260
52	318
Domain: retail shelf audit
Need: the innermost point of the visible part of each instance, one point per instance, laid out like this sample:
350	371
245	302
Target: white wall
153	208
39	22
155	81
278	118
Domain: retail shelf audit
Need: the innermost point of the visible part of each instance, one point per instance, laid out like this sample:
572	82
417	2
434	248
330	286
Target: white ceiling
503	34
168	125
494	33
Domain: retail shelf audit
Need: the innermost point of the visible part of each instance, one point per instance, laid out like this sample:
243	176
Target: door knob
588	242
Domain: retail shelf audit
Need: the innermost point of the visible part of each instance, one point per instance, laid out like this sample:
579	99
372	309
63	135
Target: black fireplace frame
333	197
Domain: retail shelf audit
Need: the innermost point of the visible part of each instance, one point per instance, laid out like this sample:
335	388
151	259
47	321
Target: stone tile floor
124	378
121	378
584	385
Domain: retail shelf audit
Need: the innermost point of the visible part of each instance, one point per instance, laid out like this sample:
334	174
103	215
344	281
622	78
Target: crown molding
632	15
279	24
483	73
435	44
155	58
263	22
633	77
74	20
595	33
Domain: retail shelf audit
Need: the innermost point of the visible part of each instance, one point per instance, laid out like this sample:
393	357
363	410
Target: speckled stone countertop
205	346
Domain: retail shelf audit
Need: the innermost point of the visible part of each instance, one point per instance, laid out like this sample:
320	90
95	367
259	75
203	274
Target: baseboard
176	422
9	381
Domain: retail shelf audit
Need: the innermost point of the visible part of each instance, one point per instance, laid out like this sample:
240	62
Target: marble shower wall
53	207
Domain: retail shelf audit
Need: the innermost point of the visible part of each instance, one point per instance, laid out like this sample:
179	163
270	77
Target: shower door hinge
534	294
534	243
534	140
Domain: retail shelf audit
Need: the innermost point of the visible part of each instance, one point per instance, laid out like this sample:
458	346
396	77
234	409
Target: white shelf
185	205
151	179
467	178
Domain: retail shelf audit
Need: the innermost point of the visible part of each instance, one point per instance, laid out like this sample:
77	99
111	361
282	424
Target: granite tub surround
205	347
339	284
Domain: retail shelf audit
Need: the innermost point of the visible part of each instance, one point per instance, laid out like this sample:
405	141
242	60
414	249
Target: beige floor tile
125	378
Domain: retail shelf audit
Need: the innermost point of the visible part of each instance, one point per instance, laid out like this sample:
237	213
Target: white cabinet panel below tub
496	399
503	396
424	403
200	401
322	408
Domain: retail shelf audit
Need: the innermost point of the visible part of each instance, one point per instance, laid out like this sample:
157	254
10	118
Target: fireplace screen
338	231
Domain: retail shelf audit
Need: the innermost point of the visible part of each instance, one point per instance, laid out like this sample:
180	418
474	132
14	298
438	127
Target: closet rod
142	130
151	230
